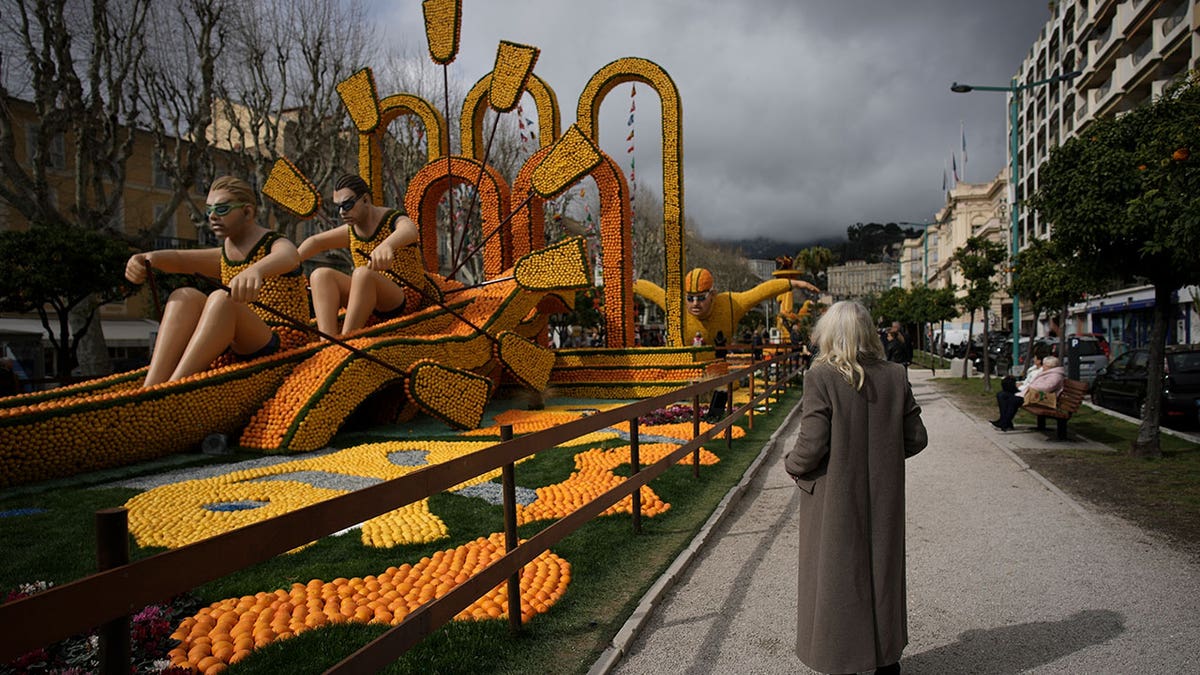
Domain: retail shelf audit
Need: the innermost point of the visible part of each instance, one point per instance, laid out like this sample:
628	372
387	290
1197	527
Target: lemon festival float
446	358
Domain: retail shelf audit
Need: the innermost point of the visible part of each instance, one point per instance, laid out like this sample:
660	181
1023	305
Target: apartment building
971	210
129	326
858	278
1128	52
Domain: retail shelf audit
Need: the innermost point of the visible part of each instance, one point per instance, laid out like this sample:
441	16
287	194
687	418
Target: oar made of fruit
514	64
572	157
304	326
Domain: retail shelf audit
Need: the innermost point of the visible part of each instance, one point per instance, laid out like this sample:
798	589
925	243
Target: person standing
858	423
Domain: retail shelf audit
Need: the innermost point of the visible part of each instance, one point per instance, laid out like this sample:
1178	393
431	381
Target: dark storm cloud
800	117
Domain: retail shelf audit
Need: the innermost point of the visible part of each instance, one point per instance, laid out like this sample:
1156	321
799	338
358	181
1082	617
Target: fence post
112	550
750	412
769	384
635	461
695	433
729	404
508	475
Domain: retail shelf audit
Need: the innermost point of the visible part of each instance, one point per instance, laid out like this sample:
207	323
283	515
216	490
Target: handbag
1040	399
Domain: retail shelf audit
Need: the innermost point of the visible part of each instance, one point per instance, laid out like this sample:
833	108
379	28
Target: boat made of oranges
445	360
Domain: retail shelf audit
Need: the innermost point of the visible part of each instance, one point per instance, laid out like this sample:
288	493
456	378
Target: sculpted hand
135	268
381	257
245	286
804	286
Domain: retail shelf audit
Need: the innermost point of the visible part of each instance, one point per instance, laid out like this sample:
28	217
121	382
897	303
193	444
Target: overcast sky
801	117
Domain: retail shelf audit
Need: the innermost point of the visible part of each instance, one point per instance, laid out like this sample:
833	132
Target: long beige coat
849	461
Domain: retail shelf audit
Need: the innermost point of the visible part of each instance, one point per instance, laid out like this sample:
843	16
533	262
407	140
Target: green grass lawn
1161	494
611	567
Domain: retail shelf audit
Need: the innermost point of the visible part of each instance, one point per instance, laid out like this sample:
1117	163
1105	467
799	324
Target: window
56	152
161	177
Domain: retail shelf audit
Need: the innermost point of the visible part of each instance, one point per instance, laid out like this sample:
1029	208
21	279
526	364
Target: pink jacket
1049	380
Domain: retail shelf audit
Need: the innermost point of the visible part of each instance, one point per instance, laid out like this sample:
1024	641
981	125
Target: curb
633	625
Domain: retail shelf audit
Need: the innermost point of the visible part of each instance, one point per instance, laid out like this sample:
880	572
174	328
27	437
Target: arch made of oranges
632	69
370	145
428	186
476	103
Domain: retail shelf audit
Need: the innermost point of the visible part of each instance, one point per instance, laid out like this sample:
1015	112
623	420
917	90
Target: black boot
893	669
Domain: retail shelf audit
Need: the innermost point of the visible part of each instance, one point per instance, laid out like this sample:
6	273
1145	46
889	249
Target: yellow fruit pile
53	438
560	266
182	513
455	396
526	361
633	69
229	630
361	99
291	189
594	476
443	22
514	63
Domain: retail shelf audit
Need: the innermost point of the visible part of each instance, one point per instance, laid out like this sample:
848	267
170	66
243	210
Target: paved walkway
1006	574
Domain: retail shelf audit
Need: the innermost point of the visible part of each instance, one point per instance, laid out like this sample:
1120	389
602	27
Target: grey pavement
1006	573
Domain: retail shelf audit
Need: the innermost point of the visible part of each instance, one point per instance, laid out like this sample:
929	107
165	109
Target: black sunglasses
345	206
697	298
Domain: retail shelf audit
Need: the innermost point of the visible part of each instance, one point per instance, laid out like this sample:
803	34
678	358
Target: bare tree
78	66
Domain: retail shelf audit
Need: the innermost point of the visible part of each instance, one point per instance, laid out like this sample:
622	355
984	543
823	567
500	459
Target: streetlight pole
1014	178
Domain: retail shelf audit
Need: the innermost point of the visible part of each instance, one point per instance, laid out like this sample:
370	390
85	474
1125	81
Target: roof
117	333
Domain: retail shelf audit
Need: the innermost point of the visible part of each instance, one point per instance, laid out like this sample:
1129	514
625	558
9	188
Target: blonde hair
239	188
845	336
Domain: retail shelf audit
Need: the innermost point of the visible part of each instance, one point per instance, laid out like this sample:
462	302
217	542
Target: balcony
1084	20
1101	47
1130	14
1170	27
175	243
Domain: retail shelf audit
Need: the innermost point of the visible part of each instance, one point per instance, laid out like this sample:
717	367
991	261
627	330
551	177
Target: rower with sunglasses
708	312
256	265
380	242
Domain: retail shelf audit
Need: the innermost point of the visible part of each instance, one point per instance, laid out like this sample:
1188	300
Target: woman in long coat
858	424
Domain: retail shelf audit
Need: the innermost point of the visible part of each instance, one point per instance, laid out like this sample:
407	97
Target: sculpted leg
223	323
330	292
363	295
179	320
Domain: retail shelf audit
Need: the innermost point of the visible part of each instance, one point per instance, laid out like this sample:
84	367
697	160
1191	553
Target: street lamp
1014	176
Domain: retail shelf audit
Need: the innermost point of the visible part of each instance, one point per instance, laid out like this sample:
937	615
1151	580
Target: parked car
1121	386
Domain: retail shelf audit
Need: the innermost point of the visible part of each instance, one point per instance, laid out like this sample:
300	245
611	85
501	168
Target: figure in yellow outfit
256	264
709	312
381	243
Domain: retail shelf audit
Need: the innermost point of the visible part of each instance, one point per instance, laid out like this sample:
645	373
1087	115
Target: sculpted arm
338	237
651	291
204	261
403	234
282	259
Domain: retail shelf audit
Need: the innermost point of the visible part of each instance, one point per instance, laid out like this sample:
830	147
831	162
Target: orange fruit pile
229	630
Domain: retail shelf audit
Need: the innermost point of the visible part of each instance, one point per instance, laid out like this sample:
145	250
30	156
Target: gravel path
1006	574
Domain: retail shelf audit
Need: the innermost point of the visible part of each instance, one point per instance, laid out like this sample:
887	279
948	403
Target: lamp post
1014	177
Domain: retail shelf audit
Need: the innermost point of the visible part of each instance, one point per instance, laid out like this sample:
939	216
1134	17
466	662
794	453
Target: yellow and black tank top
286	293
407	266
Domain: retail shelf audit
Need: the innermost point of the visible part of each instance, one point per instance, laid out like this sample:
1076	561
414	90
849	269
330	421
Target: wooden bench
1069	400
